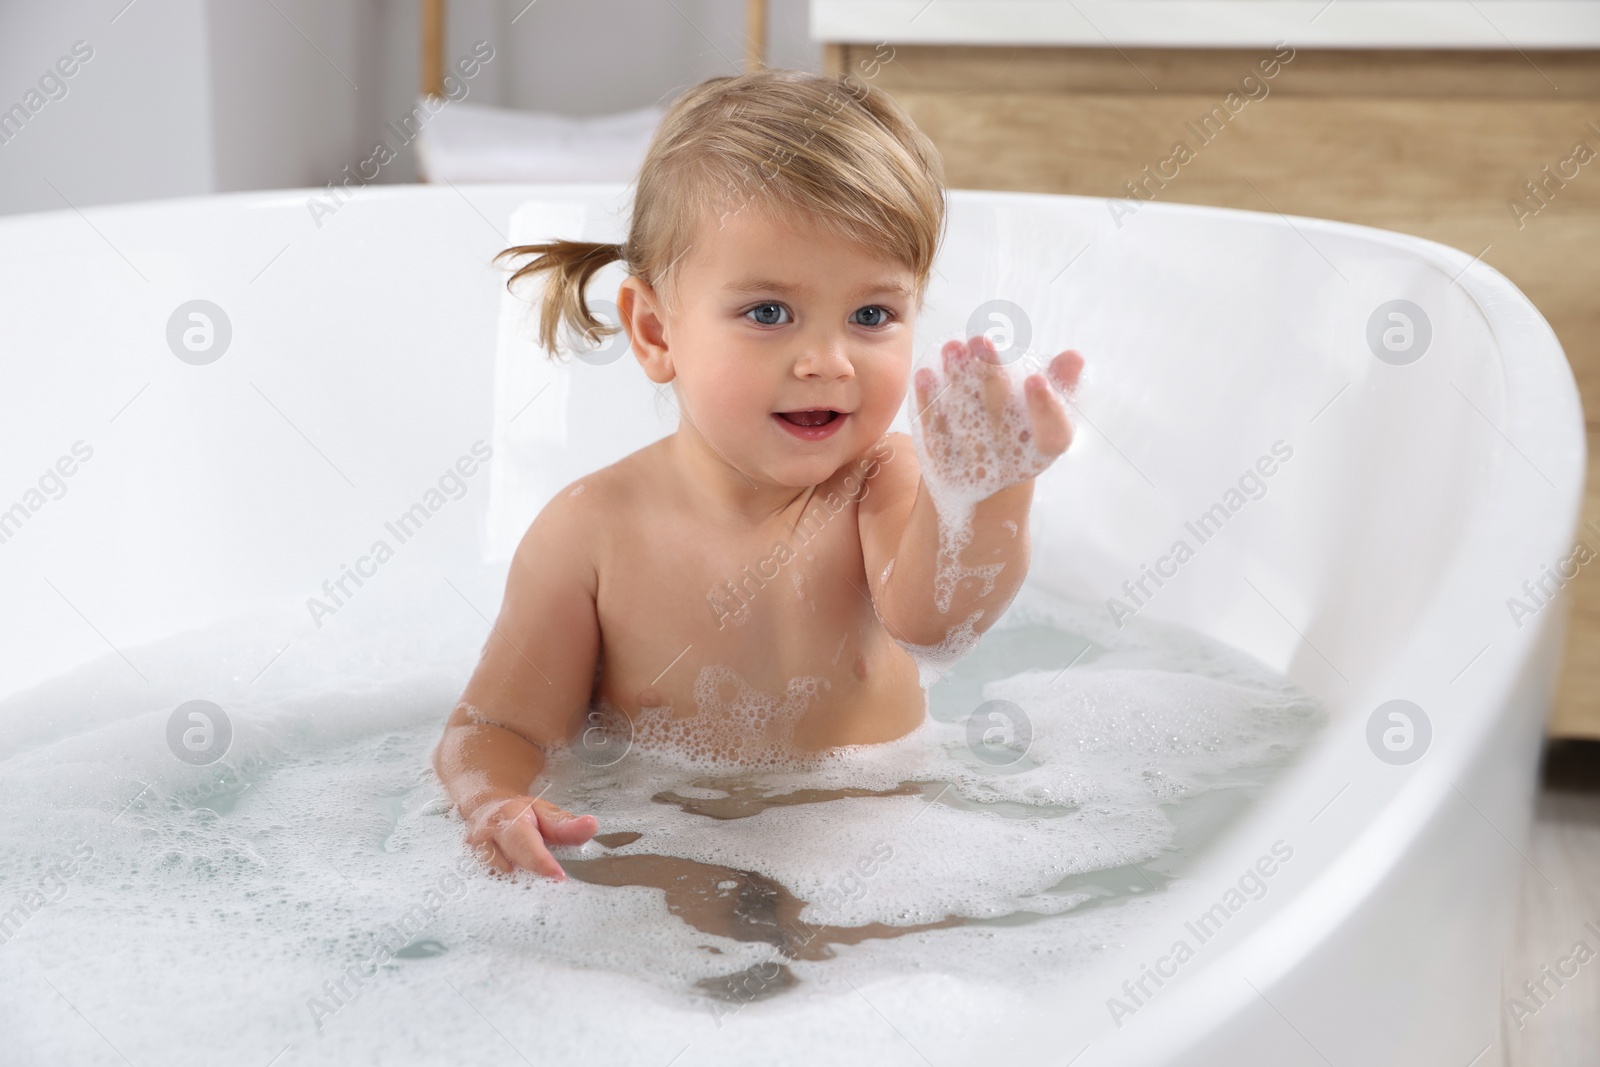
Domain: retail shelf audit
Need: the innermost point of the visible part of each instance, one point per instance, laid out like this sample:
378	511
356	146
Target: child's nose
828	359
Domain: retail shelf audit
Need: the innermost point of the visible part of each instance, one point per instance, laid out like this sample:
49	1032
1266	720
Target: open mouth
812	417
811	424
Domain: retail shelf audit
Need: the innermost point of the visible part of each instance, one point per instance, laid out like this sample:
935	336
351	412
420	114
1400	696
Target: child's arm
899	521
531	689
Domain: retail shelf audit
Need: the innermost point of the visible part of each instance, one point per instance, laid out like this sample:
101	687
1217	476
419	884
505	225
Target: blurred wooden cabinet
1493	152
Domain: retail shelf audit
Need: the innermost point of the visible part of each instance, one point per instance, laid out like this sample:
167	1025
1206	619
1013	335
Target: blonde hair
833	150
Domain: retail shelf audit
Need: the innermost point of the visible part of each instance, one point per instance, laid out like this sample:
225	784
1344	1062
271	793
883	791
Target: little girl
762	583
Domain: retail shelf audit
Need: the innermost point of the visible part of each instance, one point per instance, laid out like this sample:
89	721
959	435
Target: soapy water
309	896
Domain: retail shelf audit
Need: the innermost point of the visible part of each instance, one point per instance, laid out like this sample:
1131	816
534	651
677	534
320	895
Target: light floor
1563	1030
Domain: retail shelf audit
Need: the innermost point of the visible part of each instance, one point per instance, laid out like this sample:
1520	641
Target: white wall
296	87
135	119
197	96
598	56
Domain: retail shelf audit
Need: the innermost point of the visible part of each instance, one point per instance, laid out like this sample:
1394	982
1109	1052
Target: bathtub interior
1229	332
361	368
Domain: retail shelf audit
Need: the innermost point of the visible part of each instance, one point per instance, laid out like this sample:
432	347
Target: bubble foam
313	888
968	457
733	723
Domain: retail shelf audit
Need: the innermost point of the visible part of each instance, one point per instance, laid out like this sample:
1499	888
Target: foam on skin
934	660
733	724
983	454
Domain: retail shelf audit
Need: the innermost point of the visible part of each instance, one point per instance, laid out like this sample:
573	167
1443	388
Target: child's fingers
524	846
480	838
507	835
983	351
1052	430
560	827
1065	368
492	857
980	362
952	356
995	386
923	383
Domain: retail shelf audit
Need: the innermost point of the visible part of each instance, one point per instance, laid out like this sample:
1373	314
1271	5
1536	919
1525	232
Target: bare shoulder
629	484
574	525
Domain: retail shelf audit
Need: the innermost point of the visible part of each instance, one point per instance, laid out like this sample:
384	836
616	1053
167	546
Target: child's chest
775	632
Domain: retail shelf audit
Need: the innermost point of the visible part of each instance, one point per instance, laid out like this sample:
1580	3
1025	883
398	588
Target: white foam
970	458
934	660
733	723
245	889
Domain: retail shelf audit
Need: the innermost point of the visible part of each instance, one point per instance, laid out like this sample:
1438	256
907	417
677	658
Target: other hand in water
517	832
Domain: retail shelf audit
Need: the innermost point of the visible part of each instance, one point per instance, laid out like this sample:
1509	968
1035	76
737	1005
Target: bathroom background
1476	124
186	97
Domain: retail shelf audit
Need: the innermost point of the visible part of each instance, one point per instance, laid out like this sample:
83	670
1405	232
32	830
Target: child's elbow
438	756
949	631
447	750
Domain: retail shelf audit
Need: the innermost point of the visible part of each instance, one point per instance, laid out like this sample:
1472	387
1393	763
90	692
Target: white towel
471	143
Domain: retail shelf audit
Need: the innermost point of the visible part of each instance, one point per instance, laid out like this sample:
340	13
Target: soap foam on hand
957	483
321	847
957	487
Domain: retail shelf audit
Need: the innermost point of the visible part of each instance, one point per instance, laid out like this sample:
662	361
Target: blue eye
881	312
761	309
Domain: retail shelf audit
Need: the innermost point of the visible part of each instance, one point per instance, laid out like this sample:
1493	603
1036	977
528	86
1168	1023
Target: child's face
769	319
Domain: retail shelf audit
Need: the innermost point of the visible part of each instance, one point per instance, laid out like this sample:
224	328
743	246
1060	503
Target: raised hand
977	435
517	832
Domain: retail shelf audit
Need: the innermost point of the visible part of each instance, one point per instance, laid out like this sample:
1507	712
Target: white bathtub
1419	498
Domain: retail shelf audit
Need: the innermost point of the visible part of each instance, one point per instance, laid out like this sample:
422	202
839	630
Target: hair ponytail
832	151
571	265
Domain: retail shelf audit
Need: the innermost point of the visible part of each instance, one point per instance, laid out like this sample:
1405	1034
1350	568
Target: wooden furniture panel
960	68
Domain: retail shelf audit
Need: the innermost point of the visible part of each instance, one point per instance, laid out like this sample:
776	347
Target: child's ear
641	314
